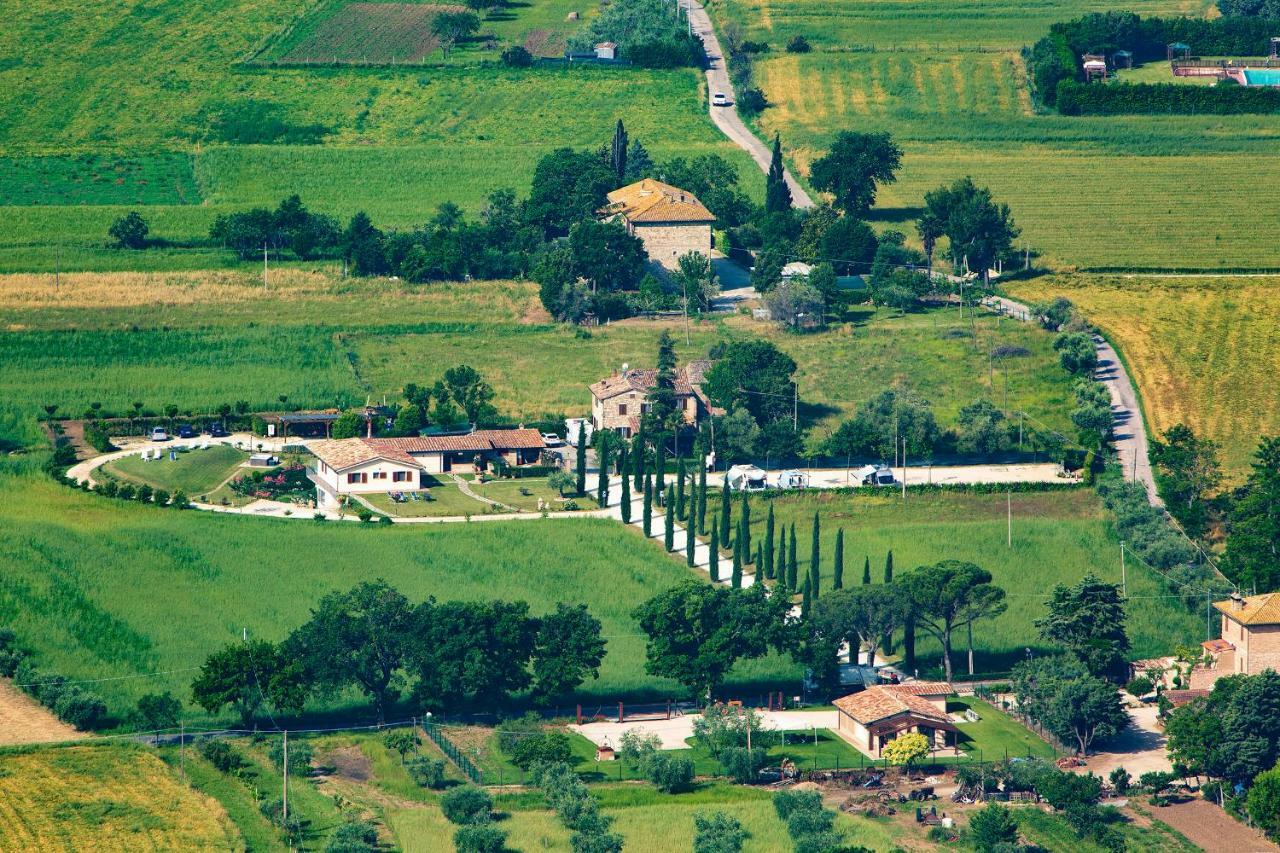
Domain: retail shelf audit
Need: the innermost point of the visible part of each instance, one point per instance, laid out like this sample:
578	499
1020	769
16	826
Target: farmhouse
380	465
1250	639
619	401
877	715
669	221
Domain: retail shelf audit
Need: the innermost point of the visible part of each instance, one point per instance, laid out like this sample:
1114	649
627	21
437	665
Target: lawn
104	798
1058	537
448	501
77	564
117	338
195	472
995	734
1196	347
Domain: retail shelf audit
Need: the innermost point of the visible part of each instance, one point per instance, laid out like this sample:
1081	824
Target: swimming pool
1262	77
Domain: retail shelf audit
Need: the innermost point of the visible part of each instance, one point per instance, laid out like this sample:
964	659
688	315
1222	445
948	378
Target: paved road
1130	432
726	118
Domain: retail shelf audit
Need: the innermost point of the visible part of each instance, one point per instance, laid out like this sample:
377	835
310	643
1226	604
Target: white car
719	99
159	434
550	439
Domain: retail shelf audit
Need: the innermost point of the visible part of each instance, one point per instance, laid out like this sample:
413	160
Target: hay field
1144	192
104	798
369	33
1203	351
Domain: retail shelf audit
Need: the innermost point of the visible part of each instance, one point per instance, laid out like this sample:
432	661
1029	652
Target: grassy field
195	472
199	342
1196	348
1057	538
78	562
104	798
1134	191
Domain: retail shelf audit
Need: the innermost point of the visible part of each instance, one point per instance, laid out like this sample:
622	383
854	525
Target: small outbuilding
872	718
1122	59
1095	66
1178	50
606	50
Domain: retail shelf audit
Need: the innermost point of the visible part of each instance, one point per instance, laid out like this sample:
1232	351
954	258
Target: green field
109	339
195	472
1058	537
1130	191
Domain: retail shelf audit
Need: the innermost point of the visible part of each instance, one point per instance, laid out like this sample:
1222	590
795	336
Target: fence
432	731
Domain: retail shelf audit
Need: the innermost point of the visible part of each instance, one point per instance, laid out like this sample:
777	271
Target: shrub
126	492
541	748
1139	686
129	231
516	56
291	829
157	711
798	44
786	803
467	805
10	653
161	497
427	772
180	500
743	765
401	742
718	833
299	756
1120	780
810	822
479	839
145	494
752	101
993	826
357	836
80	708
364	515
98	438
668	773
221	755
384	519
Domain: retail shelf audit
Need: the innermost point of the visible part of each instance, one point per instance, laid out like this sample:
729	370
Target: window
622	408
379	475
358	477
400	477
644	408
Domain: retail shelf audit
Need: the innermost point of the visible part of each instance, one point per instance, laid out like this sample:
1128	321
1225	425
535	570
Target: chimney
1238	599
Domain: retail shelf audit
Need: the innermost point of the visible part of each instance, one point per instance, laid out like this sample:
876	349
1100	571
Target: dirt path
1209	827
24	720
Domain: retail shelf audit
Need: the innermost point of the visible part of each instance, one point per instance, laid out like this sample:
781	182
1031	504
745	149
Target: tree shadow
894	214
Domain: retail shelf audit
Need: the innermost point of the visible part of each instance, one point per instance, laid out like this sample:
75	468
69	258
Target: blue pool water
1262	77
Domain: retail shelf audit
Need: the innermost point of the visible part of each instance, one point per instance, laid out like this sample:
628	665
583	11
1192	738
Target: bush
1079	99
810	822
129	231
541	748
1139	686
180	500
743	765
479	839
752	101
786	803
157	711
221	755
991	827
357	836
80	708
467	805
798	44
668	773
364	515
516	56
299	756
427	772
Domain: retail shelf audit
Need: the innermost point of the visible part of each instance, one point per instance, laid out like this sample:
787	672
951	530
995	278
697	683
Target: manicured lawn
996	735
510	492
448	500
195	472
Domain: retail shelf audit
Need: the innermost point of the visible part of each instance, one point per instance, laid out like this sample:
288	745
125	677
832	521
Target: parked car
719	99
551	439
185	431
216	431
159	434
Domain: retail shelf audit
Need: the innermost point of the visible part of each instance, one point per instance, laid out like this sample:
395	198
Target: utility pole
182	747
684	286
1008	497
904	470
264	264
286	779
1124	577
795	406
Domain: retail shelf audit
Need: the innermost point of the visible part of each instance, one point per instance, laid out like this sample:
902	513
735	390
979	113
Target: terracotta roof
1215	647
886	700
1261	609
653	201
921	688
1181	697
341	454
642	381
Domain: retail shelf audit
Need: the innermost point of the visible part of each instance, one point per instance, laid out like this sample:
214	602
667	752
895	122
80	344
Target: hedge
1078	99
70	702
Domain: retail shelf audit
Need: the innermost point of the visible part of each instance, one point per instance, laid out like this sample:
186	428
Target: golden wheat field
104	798
1204	351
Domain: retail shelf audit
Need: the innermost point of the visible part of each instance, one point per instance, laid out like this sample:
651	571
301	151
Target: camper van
578	429
874	475
793	480
746	478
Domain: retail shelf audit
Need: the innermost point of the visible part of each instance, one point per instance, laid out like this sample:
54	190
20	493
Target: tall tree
697	632
580	464
648	506
690	546
669	520
860	616
792	577
806	598
664	415
1060	695
929	229
713	564
744	526
866	570
680	499
618	154
735	574
702	497
359	637
1088	620
724	512
815	561
1252	557
639	163
853	168
951	594
888	567
471	654
247	676
469	390
637	462
567	649
1187	472
777	195
978	229
837	565
768	545
756	376
625	499
604	461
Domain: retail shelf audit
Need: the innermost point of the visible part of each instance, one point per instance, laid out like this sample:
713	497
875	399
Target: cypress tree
758	562
815	565
582	462
713	565
744	526
768	544
909	643
690	544
602	483
866	571
887	641
618	153
702	497
777	195
724	512
637	463
780	565
669	520
791	561
806	600
660	464
648	506
735	577
680	501
626	498
888	568
837	580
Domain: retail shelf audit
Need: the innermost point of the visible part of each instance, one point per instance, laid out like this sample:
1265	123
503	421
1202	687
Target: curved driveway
726	118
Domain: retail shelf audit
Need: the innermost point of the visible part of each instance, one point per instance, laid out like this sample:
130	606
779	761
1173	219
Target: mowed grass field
1058	537
1202	351
110	798
195	472
198	341
1157	192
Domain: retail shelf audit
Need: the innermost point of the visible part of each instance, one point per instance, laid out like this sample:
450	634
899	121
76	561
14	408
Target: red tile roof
341	454
888	700
653	201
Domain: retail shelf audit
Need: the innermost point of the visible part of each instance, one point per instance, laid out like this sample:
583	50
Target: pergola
309	423
1124	58
1178	50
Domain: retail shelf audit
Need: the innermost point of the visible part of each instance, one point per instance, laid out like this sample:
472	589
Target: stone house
619	401
669	221
872	718
1250	639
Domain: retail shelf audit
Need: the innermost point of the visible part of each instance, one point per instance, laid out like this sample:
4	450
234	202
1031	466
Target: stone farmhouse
382	465
669	221
619	401
1250	639
872	718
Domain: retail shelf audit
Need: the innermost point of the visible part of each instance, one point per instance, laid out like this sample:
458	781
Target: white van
159	434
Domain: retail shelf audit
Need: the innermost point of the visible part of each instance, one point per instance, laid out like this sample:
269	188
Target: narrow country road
727	118
1130	432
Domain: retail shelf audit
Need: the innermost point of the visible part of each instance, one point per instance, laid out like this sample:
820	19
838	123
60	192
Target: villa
382	465
619	401
1249	643
669	221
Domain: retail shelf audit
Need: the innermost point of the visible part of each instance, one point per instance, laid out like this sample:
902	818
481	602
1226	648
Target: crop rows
369	33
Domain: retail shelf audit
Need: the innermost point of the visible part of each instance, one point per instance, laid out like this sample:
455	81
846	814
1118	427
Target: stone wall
667	242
